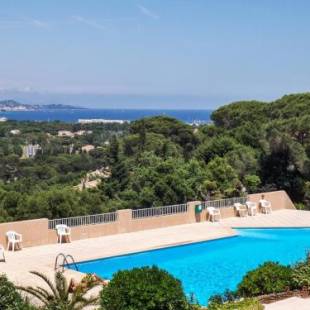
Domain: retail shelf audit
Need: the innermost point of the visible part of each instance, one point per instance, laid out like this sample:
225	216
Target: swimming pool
210	267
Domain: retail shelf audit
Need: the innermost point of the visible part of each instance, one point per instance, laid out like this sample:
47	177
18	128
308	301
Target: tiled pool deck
42	258
281	218
289	304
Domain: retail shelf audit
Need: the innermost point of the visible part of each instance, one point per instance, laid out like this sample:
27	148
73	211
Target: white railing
159	211
84	220
141	213
224	203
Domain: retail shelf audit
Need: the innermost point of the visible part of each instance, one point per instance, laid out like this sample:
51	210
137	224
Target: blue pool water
210	267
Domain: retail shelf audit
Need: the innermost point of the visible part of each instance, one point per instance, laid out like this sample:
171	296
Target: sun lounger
63	232
14	239
252	208
265	206
214	214
241	209
2	257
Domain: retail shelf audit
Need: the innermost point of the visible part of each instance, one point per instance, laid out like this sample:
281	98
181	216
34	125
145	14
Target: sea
73	115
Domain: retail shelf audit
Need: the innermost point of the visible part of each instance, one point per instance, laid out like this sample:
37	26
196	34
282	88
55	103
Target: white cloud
147	12
88	22
38	23
23	22
27	89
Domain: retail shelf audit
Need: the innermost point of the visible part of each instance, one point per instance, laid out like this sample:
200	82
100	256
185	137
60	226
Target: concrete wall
126	224
279	199
36	232
225	212
161	221
85	232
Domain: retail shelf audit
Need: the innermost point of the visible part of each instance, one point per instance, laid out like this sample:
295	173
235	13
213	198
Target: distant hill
59	107
12	105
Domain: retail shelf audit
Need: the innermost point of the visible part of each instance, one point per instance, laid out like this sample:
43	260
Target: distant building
15	132
101	120
80	133
87	148
83	132
65	133
70	134
71	148
31	150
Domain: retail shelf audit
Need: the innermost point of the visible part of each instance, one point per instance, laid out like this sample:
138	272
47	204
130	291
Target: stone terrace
42	258
280	218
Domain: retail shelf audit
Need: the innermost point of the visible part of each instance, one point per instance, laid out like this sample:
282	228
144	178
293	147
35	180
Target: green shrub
266	279
246	304
300	206
227	296
143	289
301	274
10	299
251	182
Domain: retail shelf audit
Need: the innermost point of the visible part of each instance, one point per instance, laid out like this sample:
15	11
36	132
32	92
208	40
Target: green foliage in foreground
246	304
144	289
58	295
10	299
266	279
150	288
301	274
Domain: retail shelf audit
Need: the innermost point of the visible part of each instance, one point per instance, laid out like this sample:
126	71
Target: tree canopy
156	161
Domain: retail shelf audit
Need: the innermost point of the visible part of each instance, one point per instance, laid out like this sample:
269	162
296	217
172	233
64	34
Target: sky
195	54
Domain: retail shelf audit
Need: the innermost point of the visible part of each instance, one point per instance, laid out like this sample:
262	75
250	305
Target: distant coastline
14	106
73	115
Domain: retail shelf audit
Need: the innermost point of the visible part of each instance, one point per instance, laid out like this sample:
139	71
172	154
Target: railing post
124	220
192	218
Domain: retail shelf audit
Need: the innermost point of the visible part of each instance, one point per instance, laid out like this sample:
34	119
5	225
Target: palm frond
46	280
59	293
44	292
61	286
34	292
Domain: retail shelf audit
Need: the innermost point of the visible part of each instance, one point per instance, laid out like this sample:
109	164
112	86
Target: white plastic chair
14	239
241	211
252	207
265	205
63	231
214	214
2	257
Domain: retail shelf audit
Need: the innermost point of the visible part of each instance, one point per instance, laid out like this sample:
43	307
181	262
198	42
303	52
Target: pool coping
271	227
